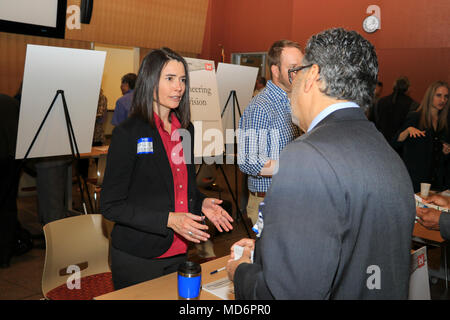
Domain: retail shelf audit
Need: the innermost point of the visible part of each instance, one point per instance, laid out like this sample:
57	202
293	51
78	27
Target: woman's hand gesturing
188	225
415	133
216	214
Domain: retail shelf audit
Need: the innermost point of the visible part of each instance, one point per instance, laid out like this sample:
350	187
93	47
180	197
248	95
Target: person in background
326	232
424	139
266	126
149	187
370	112
52	176
259	85
123	104
18	95
99	134
9	178
434	219
378	91
391	111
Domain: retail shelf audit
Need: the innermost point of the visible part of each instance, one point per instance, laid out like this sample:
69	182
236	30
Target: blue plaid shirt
265	128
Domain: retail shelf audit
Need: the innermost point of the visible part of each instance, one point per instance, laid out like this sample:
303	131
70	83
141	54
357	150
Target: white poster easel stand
241	80
75	76
236	84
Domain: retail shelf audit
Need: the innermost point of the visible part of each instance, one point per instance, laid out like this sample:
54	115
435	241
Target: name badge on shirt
145	146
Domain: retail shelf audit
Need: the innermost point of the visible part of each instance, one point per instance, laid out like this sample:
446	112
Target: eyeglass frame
297	69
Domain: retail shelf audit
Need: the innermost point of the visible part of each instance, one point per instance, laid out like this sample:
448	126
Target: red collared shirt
174	151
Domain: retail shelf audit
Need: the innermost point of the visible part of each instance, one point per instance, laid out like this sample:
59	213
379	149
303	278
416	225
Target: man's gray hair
348	65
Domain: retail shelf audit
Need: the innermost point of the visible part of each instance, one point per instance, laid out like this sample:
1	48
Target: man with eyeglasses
339	225
266	127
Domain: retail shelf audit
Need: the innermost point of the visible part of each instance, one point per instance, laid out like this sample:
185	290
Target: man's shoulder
120	101
259	104
385	98
126	99
302	144
383	101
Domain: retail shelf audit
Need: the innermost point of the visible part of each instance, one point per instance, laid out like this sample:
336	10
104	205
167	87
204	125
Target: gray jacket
338	218
444	225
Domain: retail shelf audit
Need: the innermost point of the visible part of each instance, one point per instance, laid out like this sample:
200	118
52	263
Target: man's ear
312	77
275	72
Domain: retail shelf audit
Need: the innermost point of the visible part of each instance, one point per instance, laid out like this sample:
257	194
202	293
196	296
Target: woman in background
149	189
425	139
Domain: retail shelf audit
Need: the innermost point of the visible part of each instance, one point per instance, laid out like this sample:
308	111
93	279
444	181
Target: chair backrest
75	241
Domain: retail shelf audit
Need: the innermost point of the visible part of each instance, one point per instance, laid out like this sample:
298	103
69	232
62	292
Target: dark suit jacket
338	216
390	117
138	192
444	225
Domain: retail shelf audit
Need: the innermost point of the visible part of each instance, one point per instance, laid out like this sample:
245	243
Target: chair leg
97	191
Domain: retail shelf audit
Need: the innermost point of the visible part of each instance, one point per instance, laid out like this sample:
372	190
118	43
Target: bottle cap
189	269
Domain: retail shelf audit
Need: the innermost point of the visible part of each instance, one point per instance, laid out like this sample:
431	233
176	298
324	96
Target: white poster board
240	79
205	109
419	286
48	69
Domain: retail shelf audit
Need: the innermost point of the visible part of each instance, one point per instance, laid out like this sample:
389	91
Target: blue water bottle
189	280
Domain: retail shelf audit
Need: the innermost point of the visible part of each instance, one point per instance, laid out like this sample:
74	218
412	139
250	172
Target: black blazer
138	192
423	156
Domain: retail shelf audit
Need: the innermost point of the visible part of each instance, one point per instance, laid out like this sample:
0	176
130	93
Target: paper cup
424	189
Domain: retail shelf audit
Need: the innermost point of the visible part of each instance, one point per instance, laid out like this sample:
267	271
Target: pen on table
215	271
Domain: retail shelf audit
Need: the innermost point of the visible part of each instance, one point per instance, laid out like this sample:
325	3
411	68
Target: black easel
73	145
232	96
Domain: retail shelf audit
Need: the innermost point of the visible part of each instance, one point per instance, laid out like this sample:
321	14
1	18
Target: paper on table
238	251
222	288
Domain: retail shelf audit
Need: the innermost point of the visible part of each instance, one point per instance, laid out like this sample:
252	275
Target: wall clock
371	24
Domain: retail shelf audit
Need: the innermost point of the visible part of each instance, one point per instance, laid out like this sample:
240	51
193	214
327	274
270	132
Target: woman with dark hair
425	139
149	187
